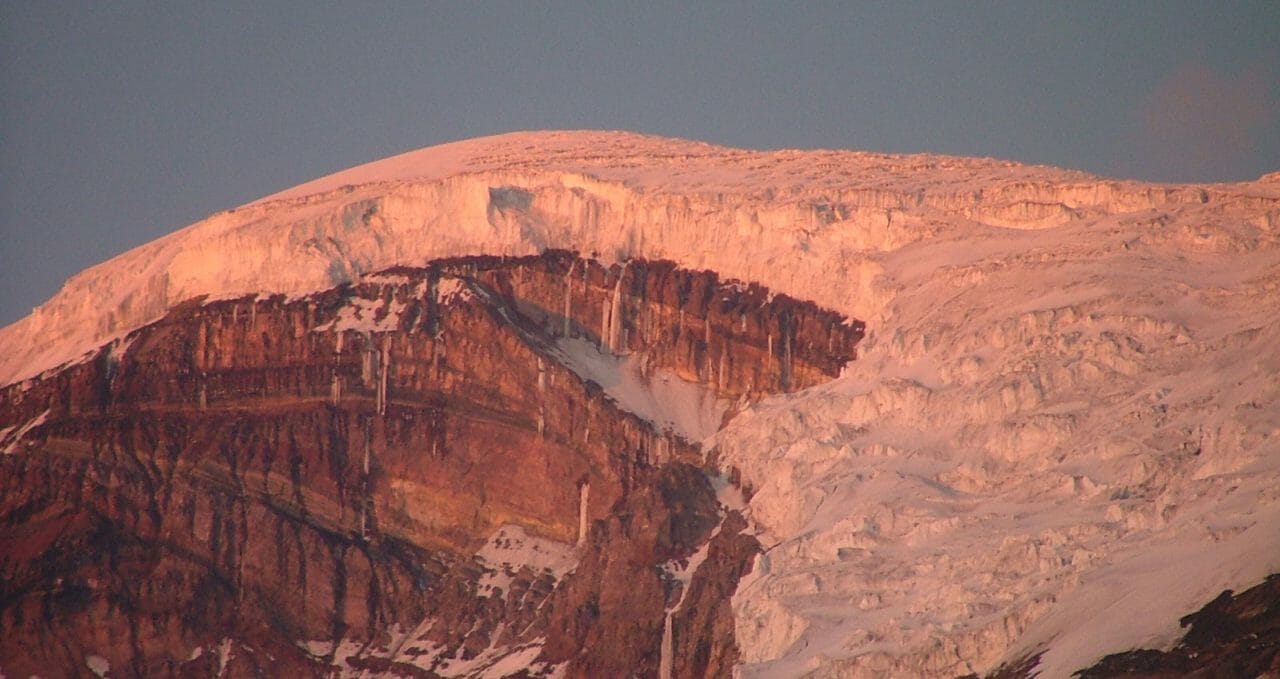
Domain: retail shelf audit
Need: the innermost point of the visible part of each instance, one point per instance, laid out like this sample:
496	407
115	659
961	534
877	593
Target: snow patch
226	653
366	316
498	662
451	290
12	436
661	397
98	665
494	662
512	548
386	278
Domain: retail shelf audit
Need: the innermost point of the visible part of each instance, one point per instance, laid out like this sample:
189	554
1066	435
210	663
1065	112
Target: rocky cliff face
476	468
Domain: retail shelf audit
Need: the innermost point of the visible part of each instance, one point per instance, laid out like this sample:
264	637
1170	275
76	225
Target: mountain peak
782	215
646	161
1068	386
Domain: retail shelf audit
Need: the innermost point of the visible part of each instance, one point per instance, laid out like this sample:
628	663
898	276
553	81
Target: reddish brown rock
246	484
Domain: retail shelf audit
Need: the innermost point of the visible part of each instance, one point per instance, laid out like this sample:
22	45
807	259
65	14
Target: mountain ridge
619	187
1061	433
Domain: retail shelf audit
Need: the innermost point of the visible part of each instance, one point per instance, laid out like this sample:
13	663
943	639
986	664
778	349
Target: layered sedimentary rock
431	472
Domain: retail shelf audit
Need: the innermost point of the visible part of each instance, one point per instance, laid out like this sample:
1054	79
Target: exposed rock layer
270	483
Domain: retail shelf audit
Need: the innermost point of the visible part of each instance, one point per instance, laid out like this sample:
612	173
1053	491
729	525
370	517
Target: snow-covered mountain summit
808	221
1061	435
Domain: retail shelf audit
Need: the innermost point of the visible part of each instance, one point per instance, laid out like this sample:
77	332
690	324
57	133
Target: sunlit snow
1062	433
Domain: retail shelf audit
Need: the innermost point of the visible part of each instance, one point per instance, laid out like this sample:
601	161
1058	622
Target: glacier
1062	432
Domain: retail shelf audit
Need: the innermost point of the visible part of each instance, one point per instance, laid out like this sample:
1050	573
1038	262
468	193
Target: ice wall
808	223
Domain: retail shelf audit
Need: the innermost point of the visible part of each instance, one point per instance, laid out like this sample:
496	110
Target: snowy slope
1063	440
1062	432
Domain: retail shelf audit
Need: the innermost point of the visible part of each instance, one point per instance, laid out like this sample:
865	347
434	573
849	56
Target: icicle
364	501
615	316
337	344
202	345
568	297
604	324
204	395
367	435
584	490
384	365
433	304
367	359
720	374
665	661
437	424
542	390
335	387
786	360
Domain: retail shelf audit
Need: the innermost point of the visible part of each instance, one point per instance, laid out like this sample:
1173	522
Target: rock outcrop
1235	635
429	472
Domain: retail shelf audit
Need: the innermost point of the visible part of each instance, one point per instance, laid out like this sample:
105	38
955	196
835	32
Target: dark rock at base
1235	635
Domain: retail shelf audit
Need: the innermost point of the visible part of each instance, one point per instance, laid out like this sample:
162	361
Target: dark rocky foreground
1235	636
401	476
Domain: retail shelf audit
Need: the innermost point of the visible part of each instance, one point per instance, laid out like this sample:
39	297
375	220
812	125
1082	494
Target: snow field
1056	444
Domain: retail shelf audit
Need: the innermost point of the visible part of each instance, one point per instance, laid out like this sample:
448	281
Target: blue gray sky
120	122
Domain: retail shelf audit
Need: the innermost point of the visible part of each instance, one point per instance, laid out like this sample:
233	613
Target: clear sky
120	122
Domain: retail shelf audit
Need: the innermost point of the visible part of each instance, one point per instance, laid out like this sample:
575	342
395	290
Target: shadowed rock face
1235	635
409	475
